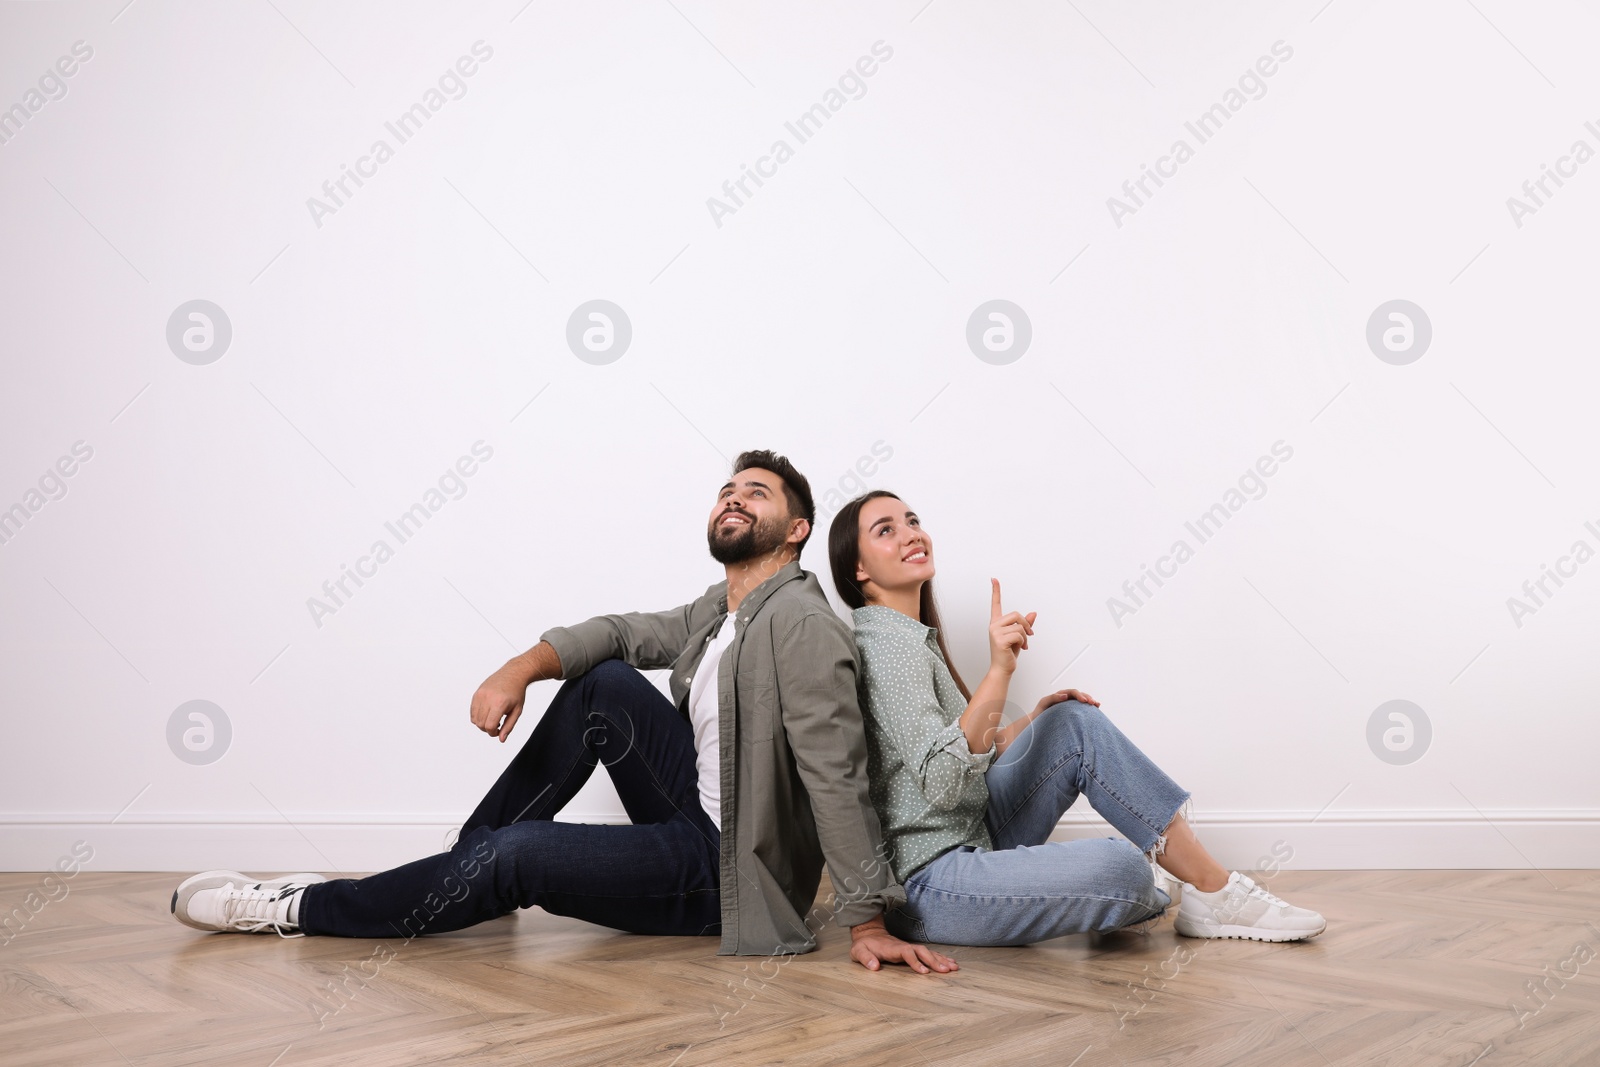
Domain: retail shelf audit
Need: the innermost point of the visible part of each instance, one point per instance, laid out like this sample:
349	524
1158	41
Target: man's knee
612	674
612	668
609	677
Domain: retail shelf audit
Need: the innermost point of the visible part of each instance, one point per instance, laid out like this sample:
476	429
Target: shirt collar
876	616
756	597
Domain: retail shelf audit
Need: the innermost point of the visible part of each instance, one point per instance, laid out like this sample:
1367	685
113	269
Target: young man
738	788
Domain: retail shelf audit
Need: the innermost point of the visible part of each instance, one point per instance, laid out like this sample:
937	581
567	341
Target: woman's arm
1008	635
900	704
981	721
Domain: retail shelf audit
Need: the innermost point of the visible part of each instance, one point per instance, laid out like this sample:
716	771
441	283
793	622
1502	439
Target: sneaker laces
253	909
1260	892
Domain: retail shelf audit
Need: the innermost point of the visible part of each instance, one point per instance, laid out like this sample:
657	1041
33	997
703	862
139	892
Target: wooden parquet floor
1416	967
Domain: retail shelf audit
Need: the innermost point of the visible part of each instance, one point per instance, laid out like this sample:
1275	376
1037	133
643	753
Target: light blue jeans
1028	888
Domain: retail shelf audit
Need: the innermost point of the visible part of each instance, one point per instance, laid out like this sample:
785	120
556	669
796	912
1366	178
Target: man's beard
754	540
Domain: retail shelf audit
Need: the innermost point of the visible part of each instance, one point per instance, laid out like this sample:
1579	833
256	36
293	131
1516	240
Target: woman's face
896	552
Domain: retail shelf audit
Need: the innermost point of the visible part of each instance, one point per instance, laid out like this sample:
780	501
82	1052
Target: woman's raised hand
1008	632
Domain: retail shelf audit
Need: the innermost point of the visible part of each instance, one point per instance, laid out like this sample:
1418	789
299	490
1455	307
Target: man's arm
497	705
647	640
816	668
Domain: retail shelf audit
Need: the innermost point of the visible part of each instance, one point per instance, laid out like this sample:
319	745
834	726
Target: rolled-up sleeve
646	640
906	714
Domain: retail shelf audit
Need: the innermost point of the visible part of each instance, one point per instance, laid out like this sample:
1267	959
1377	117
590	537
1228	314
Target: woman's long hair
844	553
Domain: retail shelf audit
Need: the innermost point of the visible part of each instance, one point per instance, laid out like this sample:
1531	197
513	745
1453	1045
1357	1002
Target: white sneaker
230	902
1242	909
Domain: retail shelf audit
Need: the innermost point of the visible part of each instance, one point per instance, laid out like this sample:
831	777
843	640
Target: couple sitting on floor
788	742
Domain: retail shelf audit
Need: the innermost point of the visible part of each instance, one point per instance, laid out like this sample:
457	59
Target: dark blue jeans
657	876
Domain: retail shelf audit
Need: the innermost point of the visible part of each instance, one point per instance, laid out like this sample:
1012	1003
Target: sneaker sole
215	879
1222	931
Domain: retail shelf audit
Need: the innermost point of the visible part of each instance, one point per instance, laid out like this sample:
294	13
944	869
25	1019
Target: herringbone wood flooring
1418	967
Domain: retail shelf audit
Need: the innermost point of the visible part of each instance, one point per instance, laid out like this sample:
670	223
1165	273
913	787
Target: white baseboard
334	843
1388	840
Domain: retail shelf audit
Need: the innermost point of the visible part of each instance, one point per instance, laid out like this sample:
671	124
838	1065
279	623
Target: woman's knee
1117	865
1074	717
1061	728
1128	881
1129	867
1084	720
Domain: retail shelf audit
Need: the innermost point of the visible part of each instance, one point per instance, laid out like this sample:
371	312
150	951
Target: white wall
374	344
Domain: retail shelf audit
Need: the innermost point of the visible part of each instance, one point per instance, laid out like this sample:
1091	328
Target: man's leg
658	876
611	715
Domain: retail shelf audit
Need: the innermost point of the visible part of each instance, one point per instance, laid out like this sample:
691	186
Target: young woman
967	804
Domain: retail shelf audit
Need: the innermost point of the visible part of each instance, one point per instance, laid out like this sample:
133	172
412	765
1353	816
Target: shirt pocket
757	693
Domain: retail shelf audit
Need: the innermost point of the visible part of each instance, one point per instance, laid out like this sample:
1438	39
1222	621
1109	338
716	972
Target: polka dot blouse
926	783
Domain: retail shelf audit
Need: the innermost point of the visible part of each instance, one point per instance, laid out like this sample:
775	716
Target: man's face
750	518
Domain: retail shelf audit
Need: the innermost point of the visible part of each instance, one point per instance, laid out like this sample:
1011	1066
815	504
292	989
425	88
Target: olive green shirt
928	786
793	752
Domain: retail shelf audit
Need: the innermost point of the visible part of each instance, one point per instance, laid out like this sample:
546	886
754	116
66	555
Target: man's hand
872	945
497	704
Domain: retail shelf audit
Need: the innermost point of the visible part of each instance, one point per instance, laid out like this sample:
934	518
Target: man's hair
796	490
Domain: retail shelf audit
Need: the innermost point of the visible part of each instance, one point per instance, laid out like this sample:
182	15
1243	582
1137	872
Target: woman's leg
1074	748
1071	749
1027	893
1187	860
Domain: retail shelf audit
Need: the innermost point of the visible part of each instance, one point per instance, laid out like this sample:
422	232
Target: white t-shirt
703	716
